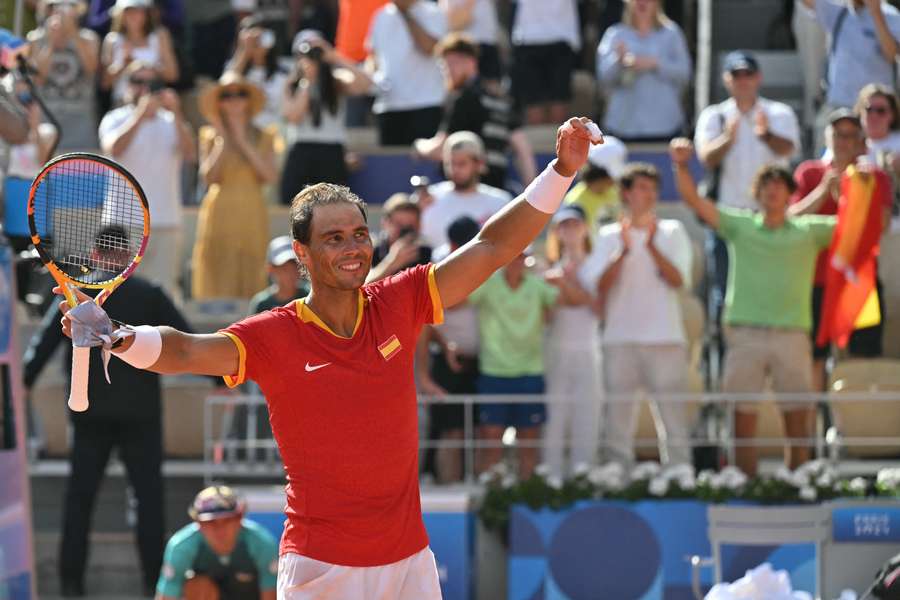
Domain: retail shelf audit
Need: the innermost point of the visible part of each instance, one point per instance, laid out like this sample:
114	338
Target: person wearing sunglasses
879	110
151	138
237	159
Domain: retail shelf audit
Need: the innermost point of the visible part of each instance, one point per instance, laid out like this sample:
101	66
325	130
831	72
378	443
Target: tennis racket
90	224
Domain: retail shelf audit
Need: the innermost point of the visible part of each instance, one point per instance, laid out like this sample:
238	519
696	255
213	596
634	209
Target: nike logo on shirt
310	368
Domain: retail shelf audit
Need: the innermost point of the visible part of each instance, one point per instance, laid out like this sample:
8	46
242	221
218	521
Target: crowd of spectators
253	100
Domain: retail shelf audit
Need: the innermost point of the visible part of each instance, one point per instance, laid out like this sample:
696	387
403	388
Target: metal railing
239	444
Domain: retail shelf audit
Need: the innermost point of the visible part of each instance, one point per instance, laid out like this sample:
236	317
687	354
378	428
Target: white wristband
144	351
547	190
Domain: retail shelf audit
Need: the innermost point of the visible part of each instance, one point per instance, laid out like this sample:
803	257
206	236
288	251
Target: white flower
687	483
858	484
808	493
825	480
816	466
508	481
889	477
542	470
679	471
705	477
608	476
658	486
800	479
581	469
486	478
499	469
733	478
784	475
645	470
555	481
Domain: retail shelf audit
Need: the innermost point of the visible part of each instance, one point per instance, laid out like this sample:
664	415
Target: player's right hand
64	308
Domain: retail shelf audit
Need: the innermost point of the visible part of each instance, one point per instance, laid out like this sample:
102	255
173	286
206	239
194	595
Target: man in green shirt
220	555
772	259
512	310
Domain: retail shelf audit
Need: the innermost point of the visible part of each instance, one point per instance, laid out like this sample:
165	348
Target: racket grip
78	394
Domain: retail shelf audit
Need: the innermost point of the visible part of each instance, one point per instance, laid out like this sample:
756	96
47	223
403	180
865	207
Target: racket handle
78	394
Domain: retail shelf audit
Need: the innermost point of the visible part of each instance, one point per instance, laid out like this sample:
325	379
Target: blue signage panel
866	524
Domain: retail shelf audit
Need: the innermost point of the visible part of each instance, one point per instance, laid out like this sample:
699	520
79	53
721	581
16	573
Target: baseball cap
571	211
465	141
843	114
611	156
281	250
215	502
740	60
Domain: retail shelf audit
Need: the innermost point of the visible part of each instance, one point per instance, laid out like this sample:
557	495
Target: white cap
465	141
123	4
611	155
281	250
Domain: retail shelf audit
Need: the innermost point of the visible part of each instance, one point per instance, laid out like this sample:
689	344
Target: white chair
766	526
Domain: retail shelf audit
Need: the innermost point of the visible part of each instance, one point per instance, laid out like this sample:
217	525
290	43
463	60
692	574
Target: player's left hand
572	143
64	308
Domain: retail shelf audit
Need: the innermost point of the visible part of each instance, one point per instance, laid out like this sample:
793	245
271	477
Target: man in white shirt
150	137
410	86
463	194
545	38
637	268
734	139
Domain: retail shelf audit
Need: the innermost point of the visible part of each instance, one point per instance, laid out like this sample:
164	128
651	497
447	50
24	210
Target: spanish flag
851	299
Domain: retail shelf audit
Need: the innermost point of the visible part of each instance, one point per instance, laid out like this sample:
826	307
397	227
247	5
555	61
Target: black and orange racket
90	224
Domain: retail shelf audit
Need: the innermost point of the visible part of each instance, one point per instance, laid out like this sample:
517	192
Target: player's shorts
452	416
542	73
304	578
526	414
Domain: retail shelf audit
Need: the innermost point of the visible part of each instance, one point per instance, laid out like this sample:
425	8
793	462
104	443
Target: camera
407	231
156	85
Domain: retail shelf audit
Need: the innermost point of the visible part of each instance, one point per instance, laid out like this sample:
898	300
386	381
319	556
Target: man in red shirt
818	192
336	369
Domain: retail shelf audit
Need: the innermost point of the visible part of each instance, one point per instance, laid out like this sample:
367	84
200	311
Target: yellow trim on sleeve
236	380
437	306
305	314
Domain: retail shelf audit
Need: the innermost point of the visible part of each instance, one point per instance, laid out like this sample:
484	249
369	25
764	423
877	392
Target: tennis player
336	369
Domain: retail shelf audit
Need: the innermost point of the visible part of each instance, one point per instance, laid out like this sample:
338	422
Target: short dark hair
591	173
770	172
320	194
459	43
638	169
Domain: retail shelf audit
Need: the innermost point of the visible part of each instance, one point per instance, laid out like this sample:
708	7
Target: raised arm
509	232
681	150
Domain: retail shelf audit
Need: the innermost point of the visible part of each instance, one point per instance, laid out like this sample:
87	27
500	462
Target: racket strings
90	219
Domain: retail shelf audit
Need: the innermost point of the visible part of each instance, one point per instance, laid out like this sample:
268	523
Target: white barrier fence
238	441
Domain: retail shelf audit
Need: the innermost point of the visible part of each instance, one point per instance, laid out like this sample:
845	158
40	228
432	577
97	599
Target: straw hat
209	98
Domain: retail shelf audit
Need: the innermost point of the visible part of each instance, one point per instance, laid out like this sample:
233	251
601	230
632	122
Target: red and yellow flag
851	299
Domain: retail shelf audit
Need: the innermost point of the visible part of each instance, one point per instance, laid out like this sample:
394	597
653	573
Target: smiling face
339	253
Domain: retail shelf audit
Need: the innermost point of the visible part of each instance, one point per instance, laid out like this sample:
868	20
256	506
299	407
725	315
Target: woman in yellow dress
236	160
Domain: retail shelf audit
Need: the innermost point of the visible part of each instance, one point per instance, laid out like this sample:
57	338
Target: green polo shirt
511	325
770	271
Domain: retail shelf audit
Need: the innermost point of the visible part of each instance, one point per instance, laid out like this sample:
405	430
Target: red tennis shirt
343	412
